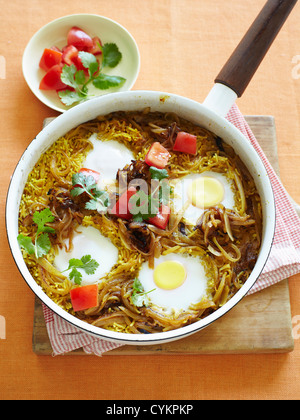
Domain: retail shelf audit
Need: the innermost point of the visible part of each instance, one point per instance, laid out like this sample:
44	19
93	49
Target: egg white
181	199
89	241
107	157
193	289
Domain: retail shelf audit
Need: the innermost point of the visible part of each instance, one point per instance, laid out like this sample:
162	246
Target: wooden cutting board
260	323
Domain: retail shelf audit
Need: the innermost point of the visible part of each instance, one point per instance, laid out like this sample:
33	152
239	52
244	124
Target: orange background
183	45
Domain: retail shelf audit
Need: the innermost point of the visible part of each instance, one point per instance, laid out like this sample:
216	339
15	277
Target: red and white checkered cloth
283	262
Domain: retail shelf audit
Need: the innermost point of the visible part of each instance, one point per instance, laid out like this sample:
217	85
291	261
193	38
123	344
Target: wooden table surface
183	45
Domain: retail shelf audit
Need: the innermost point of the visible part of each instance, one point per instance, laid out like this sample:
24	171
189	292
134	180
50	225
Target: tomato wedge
79	38
157	156
96	48
162	218
49	58
121	208
90	172
51	80
186	143
84	297
70	56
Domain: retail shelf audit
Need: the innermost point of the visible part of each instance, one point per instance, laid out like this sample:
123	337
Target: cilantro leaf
42	245
68	75
74	262
26	243
105	81
42	217
80	78
76	276
89	61
139	297
79	81
89	265
158	173
99	200
98	205
70	97
85	263
111	55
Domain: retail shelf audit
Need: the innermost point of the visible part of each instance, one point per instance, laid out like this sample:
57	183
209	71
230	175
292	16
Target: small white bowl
55	33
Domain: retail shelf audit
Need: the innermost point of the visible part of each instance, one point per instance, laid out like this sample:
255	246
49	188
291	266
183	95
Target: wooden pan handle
245	59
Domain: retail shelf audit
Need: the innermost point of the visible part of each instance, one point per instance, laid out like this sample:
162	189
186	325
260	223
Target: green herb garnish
158	173
99	200
144	206
139	297
79	82
42	245
86	263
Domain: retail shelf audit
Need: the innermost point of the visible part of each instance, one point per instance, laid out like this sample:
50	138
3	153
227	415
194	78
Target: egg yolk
169	275
206	192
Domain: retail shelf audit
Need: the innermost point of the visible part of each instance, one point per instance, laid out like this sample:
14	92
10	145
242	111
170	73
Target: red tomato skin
186	143
69	54
90	172
49	58
79	38
51	80
121	208
162	218
84	297
96	48
157	156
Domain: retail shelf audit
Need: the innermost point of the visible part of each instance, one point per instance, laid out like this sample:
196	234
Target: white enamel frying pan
230	84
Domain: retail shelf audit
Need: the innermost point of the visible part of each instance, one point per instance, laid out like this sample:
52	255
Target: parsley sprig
139	297
79	82
41	245
85	263
98	199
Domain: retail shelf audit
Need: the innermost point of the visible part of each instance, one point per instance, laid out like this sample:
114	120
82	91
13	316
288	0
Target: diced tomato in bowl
79	39
96	49
50	57
51	80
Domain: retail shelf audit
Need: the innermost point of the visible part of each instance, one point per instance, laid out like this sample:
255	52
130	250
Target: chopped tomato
121	208
186	143
90	172
69	54
79	38
157	156
84	297
162	217
51	80
49	58
97	46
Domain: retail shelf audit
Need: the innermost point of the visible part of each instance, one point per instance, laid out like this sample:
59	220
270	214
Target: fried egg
195	193
107	157
178	281
89	241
